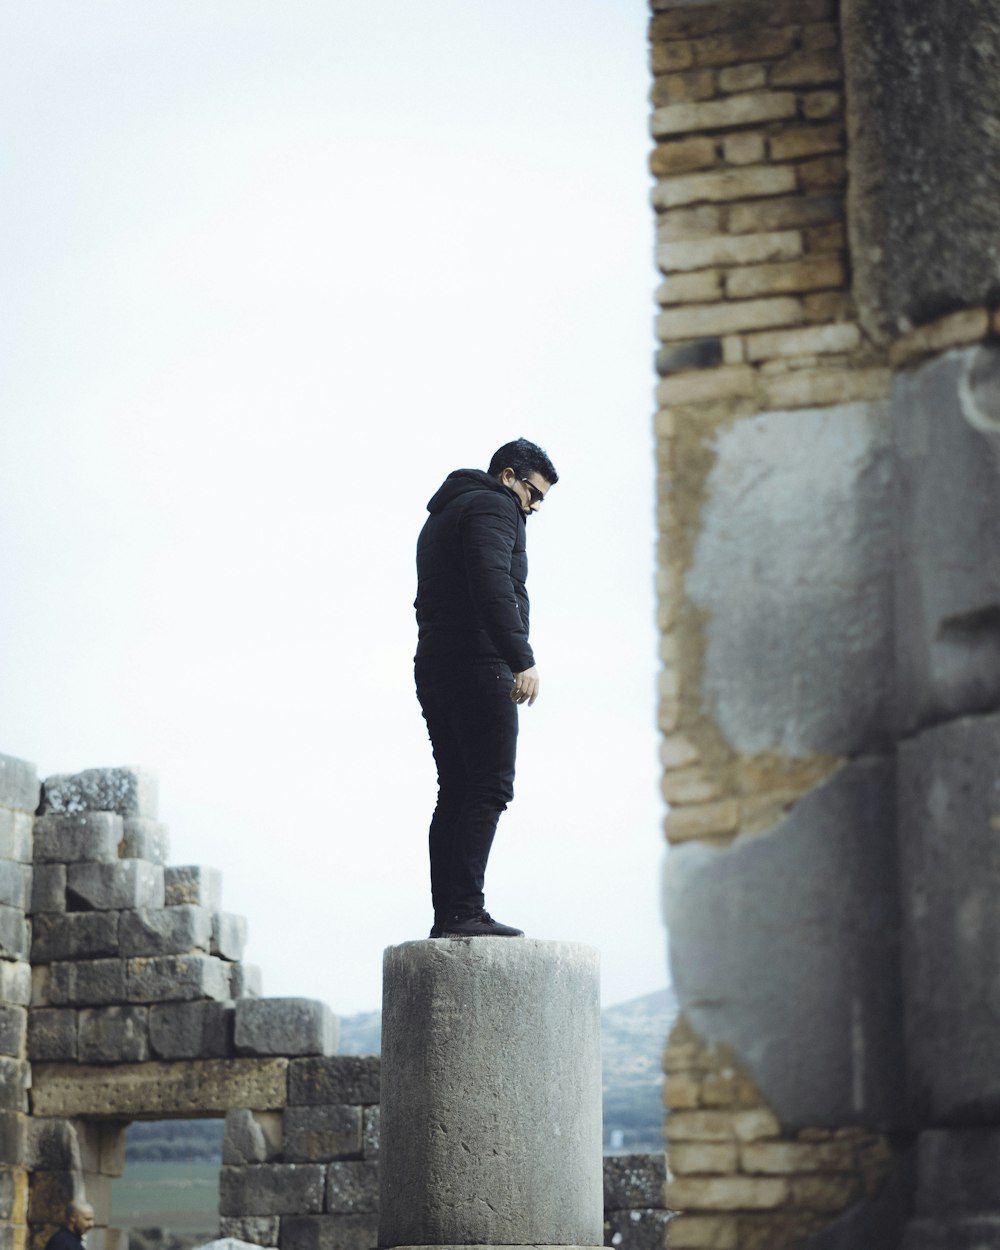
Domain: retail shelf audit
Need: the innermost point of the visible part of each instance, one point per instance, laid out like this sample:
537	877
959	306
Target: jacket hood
462	482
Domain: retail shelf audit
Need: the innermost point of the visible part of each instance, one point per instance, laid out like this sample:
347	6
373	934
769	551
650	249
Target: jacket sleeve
488	532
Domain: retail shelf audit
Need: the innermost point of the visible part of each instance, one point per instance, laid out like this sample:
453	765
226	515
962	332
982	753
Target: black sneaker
437	930
480	925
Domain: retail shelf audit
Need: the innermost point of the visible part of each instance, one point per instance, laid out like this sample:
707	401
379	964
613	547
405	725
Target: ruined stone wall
828	441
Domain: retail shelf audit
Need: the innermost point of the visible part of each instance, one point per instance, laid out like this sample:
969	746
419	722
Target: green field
180	1197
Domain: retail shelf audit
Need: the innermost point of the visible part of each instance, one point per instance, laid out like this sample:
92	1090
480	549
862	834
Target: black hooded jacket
472	565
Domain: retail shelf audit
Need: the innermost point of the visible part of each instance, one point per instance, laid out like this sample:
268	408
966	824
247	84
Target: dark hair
524	458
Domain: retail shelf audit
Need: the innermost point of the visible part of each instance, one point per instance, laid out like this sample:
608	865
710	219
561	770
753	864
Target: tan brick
700	1126
784	1157
682	88
690	288
839	337
807	388
825	1193
829	306
819	105
689	223
726	1193
728	1089
706	820
755	43
732	350
690	785
681	1092
742	78
703	1232
699	1158
831	238
797	210
678	752
756	1124
727	184
737	110
792	145
822	174
706	384
667	58
955	330
682	156
743	149
728	249
819	35
701	319
791	276
808	69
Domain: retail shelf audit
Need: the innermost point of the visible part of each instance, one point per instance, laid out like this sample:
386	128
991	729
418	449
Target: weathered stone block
229	935
147	1090
272	1189
694	354
74	935
285	1026
246	981
328	1232
15	884
634	1180
16	834
128	883
727	1193
113	1034
15	982
52	1033
708	319
371	1133
14	934
18	784
145	839
176	978
318	1134
338	1079
50	1192
259	1230
126	791
739	110
91	837
52	1146
703	1158
179	930
730	249
637	1229
86	982
102	1146
192	883
724	185
48	888
14	1147
13	1029
252	1137
193	1030
352	1188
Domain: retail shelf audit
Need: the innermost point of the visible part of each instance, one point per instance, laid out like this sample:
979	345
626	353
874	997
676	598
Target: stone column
491	1094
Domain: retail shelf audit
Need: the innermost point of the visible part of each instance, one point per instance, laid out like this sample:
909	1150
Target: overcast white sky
270	272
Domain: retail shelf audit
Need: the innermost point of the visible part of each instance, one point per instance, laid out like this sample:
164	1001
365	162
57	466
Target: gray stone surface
193	883
791	568
52	1034
639	1229
13	1029
634	1181
15	884
74	935
86	982
285	1026
48	888
785	946
127	791
328	1232
177	978
113	1035
102	1146
448	1088
261	1230
15	1077
52	1145
947	599
352	1187
981	1233
146	839
252	1137
15	982
246	981
957	1173
84	836
18	784
14	1148
371	1131
949	809
14	934
195	1030
924	127
339	1079
229	935
318	1134
272	1189
178	930
127	883
16	834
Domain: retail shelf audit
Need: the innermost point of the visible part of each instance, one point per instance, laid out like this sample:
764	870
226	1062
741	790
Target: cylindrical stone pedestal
491	1094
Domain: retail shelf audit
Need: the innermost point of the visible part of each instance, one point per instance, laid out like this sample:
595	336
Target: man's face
82	1219
531	491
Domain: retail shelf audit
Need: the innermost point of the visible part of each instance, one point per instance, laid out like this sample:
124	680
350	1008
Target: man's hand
526	686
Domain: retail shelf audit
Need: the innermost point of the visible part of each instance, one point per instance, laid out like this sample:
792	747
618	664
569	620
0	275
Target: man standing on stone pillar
474	667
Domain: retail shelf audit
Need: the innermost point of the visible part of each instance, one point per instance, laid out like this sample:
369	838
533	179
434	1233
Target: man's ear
508	476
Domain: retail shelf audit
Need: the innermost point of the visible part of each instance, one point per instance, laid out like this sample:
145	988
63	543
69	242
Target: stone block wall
635	1217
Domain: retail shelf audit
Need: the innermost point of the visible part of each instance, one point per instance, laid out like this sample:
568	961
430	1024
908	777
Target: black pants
472	724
